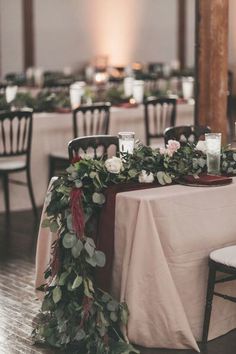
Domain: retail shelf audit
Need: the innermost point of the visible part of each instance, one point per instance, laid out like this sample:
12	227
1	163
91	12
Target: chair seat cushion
12	165
226	256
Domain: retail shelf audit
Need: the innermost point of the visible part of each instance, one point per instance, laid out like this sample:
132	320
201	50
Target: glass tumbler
213	147
126	142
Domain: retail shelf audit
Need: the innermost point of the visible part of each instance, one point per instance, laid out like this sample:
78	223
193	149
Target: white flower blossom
201	146
145	177
114	165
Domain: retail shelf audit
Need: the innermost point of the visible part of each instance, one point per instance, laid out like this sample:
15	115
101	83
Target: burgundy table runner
105	231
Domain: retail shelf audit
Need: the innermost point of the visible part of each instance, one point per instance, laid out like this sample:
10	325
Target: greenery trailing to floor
76	315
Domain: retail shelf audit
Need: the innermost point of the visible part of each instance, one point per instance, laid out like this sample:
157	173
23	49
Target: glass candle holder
188	87
138	90
213	147
126	142
77	90
128	86
10	93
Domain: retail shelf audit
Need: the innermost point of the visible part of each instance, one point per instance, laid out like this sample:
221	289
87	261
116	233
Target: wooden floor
18	305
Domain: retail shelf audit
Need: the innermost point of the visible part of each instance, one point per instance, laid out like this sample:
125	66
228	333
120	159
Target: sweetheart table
162	240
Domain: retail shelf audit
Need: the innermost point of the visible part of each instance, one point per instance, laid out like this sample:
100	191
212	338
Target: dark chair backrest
186	133
96	146
91	119
159	113
15	133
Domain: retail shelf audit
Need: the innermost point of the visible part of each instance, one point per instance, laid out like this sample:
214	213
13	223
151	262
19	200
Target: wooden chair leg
6	195
209	298
30	188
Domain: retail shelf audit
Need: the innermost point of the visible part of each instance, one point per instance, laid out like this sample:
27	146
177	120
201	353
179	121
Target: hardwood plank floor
19	306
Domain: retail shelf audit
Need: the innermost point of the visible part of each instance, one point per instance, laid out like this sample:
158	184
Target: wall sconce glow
116	32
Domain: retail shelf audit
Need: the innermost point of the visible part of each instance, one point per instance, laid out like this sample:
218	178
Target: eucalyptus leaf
80	335
77	248
46	223
69	222
132	173
56	294
100	258
86	289
112	305
91	261
106	297
98	198
78	183
167	179
69	240
69	286
89	246
124	313
53	226
201	162
90	285
77	282
63	277
160	177
47	304
92	174
113	317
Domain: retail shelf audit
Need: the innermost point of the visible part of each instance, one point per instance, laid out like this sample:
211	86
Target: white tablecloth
53	131
163	237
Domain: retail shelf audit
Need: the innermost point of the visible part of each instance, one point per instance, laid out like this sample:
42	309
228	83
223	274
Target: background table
53	131
162	240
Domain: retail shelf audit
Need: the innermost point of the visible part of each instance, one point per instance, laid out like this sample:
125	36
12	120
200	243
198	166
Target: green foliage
76	315
4	106
228	161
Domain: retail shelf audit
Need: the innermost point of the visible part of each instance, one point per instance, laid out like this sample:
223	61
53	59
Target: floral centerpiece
76	315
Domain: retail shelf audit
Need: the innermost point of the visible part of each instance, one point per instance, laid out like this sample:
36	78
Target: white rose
145	178
114	165
201	145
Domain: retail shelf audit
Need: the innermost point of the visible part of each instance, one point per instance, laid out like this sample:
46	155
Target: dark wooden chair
87	120
15	151
159	113
185	133
222	260
96	146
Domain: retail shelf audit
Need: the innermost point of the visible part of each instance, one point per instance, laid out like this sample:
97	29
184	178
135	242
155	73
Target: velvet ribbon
105	230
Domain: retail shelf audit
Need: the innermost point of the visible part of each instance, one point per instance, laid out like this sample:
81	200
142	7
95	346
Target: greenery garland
75	314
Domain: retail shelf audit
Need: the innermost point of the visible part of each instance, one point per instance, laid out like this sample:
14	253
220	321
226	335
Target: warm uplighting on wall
115	34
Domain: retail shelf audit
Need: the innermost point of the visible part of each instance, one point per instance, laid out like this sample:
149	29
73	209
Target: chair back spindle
159	113
97	146
91	120
15	133
185	133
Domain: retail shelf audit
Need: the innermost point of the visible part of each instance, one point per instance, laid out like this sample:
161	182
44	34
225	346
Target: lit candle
101	78
126	142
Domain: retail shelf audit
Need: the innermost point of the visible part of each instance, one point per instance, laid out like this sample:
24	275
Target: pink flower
163	151
172	146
